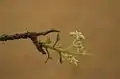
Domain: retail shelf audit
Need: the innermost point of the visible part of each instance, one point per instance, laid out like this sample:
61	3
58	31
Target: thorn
48	57
60	59
57	39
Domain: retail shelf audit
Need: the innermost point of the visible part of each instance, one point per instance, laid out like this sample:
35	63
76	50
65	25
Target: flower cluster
70	58
78	41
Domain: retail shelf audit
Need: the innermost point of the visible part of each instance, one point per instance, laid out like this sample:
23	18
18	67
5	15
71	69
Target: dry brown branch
31	35
6	37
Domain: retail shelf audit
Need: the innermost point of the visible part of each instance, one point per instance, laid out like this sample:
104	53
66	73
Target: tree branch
26	35
31	35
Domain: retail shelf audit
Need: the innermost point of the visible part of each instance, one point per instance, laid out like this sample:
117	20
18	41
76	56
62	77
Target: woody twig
29	35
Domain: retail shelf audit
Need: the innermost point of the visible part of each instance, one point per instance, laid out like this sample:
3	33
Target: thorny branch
43	46
33	36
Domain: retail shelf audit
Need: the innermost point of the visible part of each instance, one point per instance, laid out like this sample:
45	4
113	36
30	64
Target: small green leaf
48	40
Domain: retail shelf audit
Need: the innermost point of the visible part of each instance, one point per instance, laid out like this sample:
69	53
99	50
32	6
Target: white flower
77	35
78	41
72	59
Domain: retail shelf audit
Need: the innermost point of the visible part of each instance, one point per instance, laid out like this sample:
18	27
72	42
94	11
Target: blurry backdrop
97	19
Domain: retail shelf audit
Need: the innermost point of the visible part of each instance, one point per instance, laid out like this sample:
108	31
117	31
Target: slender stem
59	49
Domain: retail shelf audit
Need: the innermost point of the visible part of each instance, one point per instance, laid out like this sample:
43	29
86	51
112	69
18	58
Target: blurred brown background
97	19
